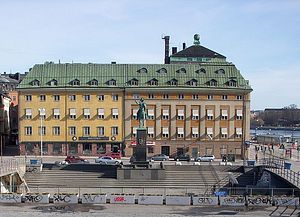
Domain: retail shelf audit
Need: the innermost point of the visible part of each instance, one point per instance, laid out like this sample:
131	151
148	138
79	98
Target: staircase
90	177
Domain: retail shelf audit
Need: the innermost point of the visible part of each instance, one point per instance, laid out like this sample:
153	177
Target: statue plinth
141	147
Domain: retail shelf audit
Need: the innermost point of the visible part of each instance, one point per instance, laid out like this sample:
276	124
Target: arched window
202	70
94	82
53	82
133	82
193	82
143	70
220	71
212	83
181	70
173	82
75	82
112	82
35	82
162	71
232	83
153	82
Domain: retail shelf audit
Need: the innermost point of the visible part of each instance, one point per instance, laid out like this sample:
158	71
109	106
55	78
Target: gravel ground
113	210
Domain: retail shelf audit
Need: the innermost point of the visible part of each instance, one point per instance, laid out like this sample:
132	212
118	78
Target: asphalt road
113	210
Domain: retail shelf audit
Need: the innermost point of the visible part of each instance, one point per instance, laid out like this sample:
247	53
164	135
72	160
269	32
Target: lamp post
42	114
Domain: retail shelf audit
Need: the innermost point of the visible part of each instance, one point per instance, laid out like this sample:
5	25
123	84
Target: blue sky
261	37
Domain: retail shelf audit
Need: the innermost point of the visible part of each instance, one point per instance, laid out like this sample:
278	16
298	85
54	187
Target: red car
75	159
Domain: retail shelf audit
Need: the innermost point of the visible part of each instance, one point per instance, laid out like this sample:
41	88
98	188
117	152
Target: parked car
75	159
206	158
107	160
160	157
183	157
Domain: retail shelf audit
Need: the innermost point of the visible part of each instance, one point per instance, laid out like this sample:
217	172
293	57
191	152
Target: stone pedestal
141	148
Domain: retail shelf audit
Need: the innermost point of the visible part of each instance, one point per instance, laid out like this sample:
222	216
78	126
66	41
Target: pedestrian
256	157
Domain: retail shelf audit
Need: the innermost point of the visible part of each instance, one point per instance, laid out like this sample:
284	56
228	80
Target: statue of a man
141	114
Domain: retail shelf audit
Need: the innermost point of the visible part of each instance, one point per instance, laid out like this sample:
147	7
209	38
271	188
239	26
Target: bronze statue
141	114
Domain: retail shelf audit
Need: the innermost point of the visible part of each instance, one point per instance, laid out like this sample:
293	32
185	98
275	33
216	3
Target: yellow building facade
84	122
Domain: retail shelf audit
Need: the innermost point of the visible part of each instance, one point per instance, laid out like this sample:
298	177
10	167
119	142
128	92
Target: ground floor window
115	148
150	149
101	148
73	149
57	149
45	148
87	149
209	151
30	149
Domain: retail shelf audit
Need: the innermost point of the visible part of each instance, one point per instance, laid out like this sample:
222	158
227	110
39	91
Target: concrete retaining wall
36	198
10	198
178	200
65	198
205	201
151	199
93	198
122	198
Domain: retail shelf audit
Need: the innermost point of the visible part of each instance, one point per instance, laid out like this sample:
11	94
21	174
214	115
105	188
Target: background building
198	104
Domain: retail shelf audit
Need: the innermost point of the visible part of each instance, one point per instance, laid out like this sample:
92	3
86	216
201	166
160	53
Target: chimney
174	50
183	46
167	47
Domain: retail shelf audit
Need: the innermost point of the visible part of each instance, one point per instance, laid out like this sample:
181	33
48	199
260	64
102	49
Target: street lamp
42	115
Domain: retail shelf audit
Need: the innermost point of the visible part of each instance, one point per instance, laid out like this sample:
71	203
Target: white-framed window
135	96
42	130
86	130
86	113
115	97
56	130
180	114
150	96
181	96
72	113
151	115
133	132
195	114
224	132
195	96
134	113
100	97
86	97
165	96
72	131
150	132
56	113
239	97
180	132
115	113
238	132
224	97
195	132
42	112
165	132
239	114
100	131
56	98
209	114
153	82
72	97
28	98
210	97
28	113
224	114
28	131
101	113
114	131
42	98
165	114
112	83
209	132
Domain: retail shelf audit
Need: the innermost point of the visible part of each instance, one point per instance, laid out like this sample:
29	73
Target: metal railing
278	166
12	165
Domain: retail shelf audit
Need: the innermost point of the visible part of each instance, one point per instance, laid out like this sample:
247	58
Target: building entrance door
194	152
165	150
179	151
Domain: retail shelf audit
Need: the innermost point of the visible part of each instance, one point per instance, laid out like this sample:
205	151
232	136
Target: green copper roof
52	75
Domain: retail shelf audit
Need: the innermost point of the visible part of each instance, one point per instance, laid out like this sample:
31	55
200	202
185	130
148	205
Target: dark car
183	157
75	159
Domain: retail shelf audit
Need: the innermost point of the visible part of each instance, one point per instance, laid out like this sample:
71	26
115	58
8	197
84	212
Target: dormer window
202	70
133	82
193	82
212	83
112	82
162	71
232	83
53	82
173	82
75	82
143	70
153	82
35	82
94	82
181	70
220	71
